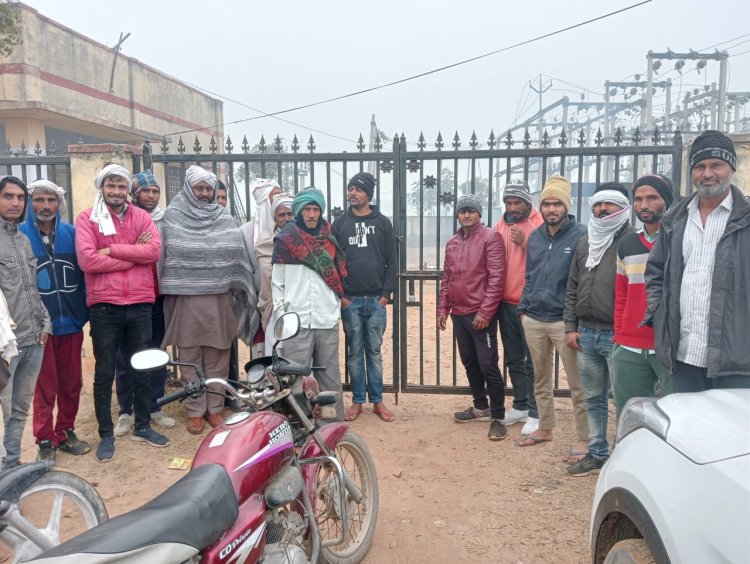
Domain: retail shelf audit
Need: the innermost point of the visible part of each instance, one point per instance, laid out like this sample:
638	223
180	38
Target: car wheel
630	551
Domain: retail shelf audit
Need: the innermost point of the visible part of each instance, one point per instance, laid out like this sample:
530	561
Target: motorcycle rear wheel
61	506
355	457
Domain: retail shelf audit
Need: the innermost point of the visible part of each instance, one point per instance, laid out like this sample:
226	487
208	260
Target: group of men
186	276
638	313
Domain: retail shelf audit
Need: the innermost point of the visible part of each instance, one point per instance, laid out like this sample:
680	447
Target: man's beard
712	190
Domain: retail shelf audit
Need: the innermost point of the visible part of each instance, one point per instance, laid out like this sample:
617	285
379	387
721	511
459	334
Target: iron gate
417	188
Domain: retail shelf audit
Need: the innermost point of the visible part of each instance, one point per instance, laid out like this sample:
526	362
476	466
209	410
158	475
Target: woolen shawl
602	230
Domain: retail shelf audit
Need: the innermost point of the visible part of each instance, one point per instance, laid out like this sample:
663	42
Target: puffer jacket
124	277
18	284
58	277
515	275
590	294
473	277
728	350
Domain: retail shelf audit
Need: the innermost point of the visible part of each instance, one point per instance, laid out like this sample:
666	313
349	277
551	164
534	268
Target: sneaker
497	430
531	425
46	451
471	414
514	416
106	449
161	419
589	465
149	436
73	444
124	425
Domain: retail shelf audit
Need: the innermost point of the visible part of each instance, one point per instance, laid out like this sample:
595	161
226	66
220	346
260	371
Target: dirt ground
447	494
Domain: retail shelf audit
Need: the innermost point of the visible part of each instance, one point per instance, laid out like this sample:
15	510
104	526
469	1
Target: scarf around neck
320	253
602	230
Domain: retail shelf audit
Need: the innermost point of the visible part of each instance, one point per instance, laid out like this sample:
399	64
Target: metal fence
417	187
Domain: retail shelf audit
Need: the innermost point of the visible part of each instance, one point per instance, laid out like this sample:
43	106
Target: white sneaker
161	419
513	416
531	425
124	425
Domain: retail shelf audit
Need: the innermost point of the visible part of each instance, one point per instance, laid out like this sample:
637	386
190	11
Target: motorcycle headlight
642	413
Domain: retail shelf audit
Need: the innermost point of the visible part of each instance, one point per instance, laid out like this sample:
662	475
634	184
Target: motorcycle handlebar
284	368
174	396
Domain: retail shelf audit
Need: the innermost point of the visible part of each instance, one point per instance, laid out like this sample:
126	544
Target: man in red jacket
471	287
519	221
116	244
636	368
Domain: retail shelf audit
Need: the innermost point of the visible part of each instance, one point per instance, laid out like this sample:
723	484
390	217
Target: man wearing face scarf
308	271
210	295
117	244
61	285
589	313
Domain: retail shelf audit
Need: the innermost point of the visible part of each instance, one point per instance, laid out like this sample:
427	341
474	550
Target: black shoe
584	467
149	436
471	414
46	451
106	449
73	445
497	430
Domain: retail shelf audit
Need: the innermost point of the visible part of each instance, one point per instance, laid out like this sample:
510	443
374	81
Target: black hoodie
370	249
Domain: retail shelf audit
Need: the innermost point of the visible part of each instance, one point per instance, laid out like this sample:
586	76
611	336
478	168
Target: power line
423	74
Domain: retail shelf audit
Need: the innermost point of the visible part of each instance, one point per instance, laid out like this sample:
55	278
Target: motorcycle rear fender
331	435
17	480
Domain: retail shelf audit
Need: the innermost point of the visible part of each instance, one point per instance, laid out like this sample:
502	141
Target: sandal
534	441
382	411
353	412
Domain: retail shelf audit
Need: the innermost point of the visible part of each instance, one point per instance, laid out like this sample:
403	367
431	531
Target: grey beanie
517	188
470	201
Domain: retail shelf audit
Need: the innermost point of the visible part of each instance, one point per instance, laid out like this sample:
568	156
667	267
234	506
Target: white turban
282	200
196	174
51	186
264	224
100	212
602	230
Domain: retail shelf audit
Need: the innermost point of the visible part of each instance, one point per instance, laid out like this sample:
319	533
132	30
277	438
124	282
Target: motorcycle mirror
150	359
287	326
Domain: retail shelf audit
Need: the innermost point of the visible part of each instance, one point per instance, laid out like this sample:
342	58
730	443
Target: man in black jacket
366	236
697	276
589	313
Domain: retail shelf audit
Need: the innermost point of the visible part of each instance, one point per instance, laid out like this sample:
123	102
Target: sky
277	55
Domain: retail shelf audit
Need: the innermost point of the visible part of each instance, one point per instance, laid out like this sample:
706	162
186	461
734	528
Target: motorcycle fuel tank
252	451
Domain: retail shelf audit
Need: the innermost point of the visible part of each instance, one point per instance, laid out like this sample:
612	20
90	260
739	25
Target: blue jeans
595	366
364	324
16	399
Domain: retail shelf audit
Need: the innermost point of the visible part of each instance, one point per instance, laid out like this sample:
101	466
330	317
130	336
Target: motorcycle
268	485
41	507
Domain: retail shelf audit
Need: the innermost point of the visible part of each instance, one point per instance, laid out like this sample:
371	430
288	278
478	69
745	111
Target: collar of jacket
8	226
473	230
739	218
569	222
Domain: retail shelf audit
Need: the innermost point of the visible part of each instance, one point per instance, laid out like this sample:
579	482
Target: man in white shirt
307	278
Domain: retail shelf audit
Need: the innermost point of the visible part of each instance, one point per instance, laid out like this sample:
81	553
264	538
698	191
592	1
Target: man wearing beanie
470	291
697	276
589	313
520	219
548	256
366	237
636	369
308	274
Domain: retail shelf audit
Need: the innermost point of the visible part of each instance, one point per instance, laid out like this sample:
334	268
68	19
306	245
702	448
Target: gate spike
545	139
618	137
527	139
509	140
637	136
212	145
378	143
656	137
37	148
439	142
599	139
456	142
277	145
23	151
361	143
197	145
563	138
245	145
262	145
295	144
228	145
311	144
164	145
421	142
180	146
581	138
491	141
473	142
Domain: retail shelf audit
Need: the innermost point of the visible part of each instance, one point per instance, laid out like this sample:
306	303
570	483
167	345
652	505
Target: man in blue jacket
61	286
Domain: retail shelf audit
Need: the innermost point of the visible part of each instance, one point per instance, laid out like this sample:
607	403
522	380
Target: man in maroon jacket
471	288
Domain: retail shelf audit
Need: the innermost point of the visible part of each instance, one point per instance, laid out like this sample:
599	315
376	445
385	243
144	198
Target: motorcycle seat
194	512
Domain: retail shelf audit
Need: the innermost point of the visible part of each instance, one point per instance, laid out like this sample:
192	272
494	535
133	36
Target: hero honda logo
278	433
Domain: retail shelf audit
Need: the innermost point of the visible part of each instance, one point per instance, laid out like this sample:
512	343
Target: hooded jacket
515	255
473	273
18	284
548	259
58	277
728	350
370	249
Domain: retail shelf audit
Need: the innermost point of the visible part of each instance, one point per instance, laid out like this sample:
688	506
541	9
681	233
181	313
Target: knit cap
557	188
713	144
365	182
517	188
658	182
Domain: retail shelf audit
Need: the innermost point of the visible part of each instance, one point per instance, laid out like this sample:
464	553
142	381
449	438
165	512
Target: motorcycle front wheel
60	505
355	457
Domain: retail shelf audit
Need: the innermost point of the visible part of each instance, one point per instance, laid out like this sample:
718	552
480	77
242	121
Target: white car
677	486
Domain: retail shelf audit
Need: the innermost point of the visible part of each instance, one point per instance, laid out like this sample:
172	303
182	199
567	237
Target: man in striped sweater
636	368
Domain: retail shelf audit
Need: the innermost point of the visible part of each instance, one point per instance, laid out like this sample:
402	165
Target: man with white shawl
207	280
117	244
589	313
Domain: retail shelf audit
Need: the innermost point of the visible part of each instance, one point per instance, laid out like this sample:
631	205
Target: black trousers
113	326
689	378
517	358
479	355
